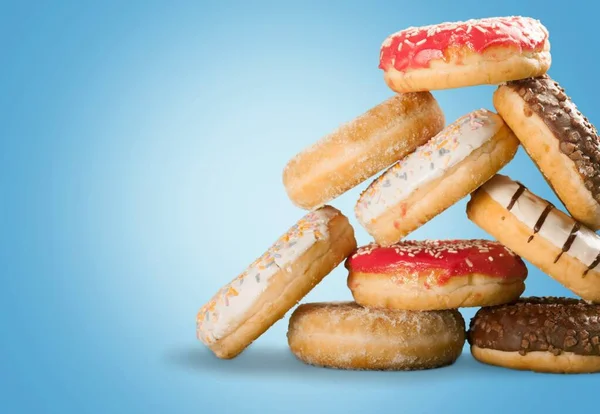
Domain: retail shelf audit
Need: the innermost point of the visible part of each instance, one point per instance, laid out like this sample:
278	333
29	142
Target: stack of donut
407	292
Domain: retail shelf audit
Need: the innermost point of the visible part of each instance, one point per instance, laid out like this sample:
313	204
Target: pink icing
451	257
415	48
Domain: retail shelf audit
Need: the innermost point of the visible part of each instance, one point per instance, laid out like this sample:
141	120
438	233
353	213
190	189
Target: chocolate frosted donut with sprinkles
435	274
532	227
247	306
475	52
541	334
559	139
439	173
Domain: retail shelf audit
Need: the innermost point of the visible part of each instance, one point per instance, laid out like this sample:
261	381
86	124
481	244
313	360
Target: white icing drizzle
429	162
222	314
557	226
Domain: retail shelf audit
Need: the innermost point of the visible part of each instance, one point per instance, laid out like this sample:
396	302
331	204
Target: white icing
556	227
224	311
429	162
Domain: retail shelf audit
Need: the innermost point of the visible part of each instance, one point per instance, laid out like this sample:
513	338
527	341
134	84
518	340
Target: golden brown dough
361	148
348	336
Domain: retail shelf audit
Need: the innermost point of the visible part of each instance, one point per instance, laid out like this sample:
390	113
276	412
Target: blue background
141	151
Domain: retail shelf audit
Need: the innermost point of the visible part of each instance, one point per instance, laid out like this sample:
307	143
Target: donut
438	174
559	139
345	335
361	148
245	308
557	335
435	274
536	230
475	52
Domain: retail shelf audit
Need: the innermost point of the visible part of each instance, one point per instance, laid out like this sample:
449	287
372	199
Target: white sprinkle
411	255
481	29
420	42
490	258
469	262
400	46
387	42
469	28
409	43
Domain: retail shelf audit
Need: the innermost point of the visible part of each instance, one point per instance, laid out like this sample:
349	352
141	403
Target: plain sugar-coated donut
475	52
245	308
540	233
439	173
435	274
540	334
560	140
361	148
348	336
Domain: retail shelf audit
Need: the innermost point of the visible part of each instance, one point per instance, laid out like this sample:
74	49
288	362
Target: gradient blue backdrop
141	150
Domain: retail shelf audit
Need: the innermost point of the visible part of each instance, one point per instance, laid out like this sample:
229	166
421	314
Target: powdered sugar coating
380	338
416	47
223	313
364	146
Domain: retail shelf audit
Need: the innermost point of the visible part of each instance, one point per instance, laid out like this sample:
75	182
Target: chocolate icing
540	222
578	138
539	324
516	196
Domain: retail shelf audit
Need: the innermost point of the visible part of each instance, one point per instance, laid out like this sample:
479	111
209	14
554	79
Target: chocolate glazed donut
539	334
560	140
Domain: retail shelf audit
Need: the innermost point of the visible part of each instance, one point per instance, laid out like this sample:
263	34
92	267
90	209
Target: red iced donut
435	274
475	52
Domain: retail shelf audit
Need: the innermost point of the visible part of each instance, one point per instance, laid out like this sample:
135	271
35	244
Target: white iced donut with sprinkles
448	167
475	52
539	232
245	308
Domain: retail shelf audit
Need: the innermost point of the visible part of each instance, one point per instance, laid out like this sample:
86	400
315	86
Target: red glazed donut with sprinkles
435	274
475	52
439	173
245	308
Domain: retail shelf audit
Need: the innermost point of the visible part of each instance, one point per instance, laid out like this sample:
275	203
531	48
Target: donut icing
546	221
218	316
535	324
578	139
416	47
429	162
449	258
